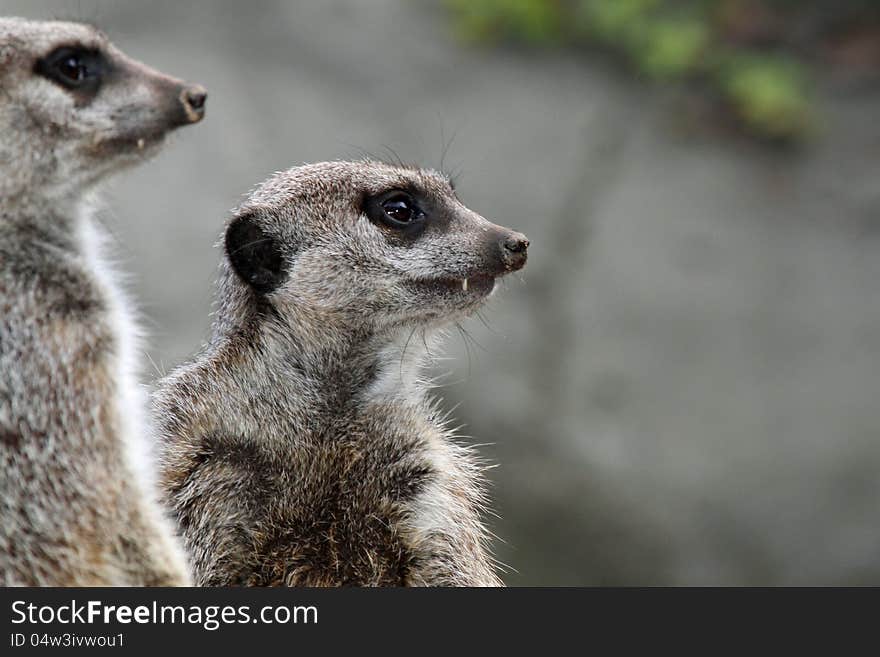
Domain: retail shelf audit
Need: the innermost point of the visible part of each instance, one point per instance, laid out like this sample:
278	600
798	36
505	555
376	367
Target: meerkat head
74	108
374	244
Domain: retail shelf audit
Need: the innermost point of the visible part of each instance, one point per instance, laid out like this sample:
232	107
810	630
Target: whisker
471	337
467	348
249	244
395	158
486	323
403	352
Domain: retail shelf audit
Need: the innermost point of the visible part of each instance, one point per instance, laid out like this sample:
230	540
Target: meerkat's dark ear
254	254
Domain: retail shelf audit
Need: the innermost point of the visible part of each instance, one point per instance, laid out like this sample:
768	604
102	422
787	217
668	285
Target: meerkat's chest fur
366	488
71	414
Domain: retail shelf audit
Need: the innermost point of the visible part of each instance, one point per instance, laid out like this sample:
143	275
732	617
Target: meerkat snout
192	99
514	251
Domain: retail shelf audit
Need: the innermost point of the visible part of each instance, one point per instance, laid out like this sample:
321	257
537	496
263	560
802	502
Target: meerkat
76	506
301	446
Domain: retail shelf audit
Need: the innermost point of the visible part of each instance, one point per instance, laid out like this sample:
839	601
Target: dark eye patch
403	212
79	69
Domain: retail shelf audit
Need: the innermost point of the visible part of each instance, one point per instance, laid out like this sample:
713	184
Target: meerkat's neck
325	354
19	163
45	219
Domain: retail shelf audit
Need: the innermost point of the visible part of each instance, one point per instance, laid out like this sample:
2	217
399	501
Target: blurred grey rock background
682	387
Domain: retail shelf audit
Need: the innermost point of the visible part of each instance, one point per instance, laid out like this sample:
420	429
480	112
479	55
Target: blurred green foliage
531	21
768	89
767	93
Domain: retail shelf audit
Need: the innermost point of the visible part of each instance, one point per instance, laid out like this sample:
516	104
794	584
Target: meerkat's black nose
193	100
514	250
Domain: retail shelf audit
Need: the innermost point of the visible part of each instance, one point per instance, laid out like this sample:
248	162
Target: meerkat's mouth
478	285
144	143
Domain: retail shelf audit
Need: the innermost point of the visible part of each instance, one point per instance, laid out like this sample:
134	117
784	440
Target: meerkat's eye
73	67
401	209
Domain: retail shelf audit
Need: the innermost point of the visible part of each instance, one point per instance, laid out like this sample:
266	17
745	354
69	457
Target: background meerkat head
74	108
377	244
